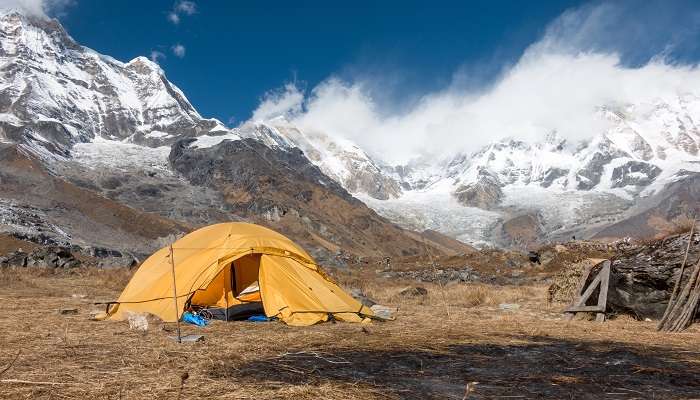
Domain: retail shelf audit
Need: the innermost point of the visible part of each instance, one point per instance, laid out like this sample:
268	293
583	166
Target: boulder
15	259
643	277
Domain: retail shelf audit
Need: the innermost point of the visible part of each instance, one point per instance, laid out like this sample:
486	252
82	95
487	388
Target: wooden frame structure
601	280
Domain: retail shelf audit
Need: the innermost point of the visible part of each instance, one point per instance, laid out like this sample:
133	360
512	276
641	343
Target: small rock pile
43	257
464	274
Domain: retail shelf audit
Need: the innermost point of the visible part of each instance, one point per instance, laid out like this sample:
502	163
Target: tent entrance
234	293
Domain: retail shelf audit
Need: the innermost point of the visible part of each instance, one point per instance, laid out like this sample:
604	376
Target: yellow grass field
456	343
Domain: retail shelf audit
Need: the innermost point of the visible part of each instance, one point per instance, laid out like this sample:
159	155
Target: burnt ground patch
535	367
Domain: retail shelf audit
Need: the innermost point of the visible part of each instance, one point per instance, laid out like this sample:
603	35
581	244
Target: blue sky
237	51
404	78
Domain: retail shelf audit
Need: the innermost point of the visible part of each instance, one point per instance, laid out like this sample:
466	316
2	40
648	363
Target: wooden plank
584	278
575	309
602	281
589	291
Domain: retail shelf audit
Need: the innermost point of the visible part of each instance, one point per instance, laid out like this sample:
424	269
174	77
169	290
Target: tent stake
177	317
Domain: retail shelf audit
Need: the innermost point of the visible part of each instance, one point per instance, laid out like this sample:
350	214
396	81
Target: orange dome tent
236	264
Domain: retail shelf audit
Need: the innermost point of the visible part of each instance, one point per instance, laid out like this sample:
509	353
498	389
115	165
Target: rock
137	322
509	306
560	248
384	312
68	311
143	321
642	277
590	174
97	315
443	276
16	259
635	173
100	252
484	193
188	339
52	257
414	291
42	257
116	262
534	257
359	295
552	175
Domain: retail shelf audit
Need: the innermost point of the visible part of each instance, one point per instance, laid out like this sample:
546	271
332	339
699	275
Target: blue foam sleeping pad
258	318
194	319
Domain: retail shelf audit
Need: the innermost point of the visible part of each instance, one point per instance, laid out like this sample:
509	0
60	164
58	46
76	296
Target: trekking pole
177	317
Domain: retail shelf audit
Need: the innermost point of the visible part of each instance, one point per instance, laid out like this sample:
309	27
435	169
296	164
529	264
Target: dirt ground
456	343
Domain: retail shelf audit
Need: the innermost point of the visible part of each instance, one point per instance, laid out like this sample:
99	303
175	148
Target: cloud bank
587	58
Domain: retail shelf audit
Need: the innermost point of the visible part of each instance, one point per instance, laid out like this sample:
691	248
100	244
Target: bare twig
35	382
315	355
11	363
440	284
469	389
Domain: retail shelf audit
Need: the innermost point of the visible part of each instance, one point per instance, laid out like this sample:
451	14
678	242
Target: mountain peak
144	66
63	93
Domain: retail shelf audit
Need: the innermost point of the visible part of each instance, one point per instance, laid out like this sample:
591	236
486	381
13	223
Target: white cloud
156	55
557	84
285	102
182	7
179	50
37	8
173	17
186	7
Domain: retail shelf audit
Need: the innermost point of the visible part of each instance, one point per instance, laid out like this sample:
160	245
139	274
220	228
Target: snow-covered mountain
97	152
566	187
56	93
88	112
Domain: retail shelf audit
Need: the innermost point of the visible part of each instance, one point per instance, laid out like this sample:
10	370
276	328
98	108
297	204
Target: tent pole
177	318
225	297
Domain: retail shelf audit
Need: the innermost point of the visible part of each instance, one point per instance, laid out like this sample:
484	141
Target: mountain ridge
112	128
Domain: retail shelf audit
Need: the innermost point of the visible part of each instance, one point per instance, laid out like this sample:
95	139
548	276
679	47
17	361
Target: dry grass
456	295
680	224
527	353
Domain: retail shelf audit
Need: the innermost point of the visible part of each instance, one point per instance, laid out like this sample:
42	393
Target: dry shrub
680	224
683	223
475	295
566	281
